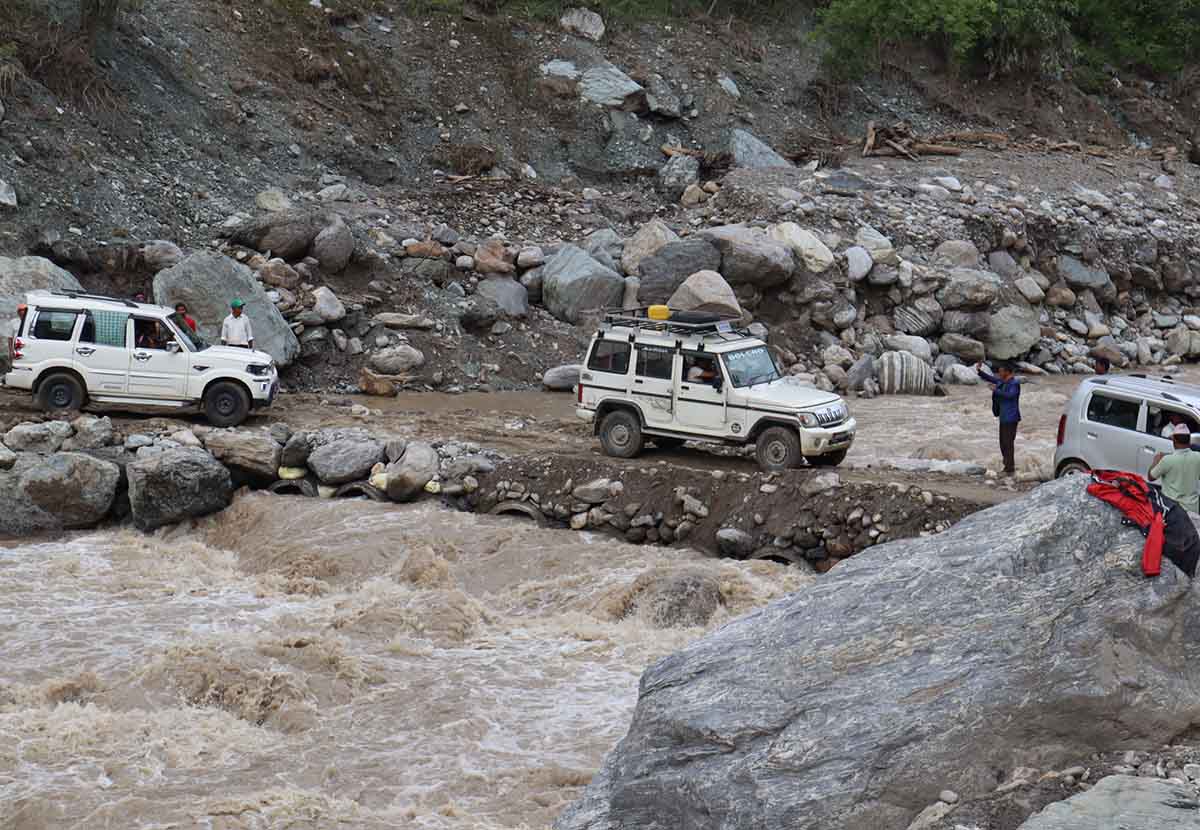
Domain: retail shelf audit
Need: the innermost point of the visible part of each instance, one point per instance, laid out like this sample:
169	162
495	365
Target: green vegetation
1017	36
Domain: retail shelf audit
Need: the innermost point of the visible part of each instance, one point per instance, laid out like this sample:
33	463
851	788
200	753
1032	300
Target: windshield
196	342
751	366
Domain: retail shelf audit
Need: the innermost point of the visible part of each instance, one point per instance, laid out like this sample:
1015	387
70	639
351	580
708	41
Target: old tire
621	434
61	392
1071	468
829	459
226	404
778	449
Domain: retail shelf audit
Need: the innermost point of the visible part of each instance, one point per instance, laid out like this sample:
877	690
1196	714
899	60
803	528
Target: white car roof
78	301
1161	389
712	342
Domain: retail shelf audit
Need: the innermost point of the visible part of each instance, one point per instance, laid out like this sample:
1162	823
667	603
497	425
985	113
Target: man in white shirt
236	331
702	371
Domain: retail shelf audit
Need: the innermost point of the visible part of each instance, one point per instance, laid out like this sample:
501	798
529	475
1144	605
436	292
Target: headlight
259	368
808	419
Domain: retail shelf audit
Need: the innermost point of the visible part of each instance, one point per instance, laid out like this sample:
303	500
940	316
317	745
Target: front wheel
829	459
226	404
60	393
1073	468
621	434
778	449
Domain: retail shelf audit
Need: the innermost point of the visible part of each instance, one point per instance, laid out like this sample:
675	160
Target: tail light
1062	429
14	348
579	392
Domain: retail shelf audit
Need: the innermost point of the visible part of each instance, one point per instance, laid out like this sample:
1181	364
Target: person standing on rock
236	331
1179	471
1006	405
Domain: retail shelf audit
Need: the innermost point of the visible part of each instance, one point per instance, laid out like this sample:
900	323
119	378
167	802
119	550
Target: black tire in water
226	404
61	392
778	449
829	459
1073	468
621	434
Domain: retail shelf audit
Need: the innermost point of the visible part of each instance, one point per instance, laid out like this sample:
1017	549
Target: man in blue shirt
1006	404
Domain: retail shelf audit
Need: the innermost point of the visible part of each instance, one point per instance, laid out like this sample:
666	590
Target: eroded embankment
802	516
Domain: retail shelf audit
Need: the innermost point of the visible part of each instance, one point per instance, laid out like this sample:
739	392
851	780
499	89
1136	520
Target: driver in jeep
703	370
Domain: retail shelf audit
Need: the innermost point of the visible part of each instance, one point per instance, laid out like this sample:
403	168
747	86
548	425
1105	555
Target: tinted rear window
1114	412
54	325
610	356
655	362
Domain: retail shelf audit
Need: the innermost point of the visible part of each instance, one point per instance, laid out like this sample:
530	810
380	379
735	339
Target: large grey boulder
334	246
649	238
667	268
1078	274
288	234
1024	634
562	378
29	273
675	176
408	475
255	453
175	485
344	460
911	344
574	283
207	282
957	253
608	86
1123	802
967	348
903	373
1013	331
45	437
968	288
808	248
922	317
746	150
91	433
750	257
510	296
398	359
583	22
706	291
60	491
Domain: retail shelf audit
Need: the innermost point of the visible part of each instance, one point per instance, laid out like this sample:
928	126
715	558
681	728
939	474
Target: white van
71	349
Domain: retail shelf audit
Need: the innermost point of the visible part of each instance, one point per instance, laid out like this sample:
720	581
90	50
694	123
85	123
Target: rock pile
61	475
716	513
952	657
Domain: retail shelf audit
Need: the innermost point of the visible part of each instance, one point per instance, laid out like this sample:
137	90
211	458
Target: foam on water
326	663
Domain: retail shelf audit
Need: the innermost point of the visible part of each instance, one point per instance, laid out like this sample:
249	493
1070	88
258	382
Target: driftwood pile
898	140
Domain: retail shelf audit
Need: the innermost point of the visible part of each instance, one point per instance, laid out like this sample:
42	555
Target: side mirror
718	383
173	347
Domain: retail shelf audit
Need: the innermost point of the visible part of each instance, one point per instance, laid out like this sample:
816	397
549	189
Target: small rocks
584	23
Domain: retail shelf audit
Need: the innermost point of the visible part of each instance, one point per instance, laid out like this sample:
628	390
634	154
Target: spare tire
695	317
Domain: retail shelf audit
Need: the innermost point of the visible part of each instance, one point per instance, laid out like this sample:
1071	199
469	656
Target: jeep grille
831	416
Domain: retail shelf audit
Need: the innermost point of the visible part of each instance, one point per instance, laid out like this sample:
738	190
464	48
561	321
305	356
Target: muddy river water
297	663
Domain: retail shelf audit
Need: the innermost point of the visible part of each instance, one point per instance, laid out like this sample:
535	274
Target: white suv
677	376
71	348
1119	422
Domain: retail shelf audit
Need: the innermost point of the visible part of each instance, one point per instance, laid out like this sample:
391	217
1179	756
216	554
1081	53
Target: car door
102	352
1111	437
155	369
700	405
653	387
607	372
50	337
1152	442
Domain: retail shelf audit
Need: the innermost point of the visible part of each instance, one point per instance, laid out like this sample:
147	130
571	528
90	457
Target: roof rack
639	318
81	295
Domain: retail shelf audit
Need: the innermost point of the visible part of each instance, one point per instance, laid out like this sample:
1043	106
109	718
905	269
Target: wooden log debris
898	141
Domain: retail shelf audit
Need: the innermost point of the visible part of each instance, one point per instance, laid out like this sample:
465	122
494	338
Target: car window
151	334
104	328
700	368
655	362
1160	420
1114	412
54	325
610	356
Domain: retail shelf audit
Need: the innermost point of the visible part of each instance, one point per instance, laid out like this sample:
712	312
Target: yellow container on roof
658	312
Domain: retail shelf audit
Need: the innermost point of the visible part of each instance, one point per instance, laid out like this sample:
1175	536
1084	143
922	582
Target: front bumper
820	440
265	391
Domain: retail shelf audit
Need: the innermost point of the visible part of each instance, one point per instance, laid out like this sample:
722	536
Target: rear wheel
829	459
226	404
1073	468
778	449
60	393
621	434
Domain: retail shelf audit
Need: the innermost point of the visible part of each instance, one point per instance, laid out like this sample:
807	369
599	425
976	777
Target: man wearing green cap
236	331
